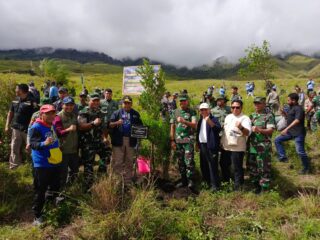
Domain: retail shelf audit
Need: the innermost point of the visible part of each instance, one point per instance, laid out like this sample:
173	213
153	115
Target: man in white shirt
208	129
237	128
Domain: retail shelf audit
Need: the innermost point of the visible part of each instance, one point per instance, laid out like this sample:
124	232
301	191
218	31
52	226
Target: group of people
62	134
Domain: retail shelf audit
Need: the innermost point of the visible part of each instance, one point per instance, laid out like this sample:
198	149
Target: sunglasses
235	107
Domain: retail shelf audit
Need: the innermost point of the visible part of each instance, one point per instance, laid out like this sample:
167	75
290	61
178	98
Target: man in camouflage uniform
108	105
92	140
210	100
235	95
259	162
315	120
220	112
183	123
83	101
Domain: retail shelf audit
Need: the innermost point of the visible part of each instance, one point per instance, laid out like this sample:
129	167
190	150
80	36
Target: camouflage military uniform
81	107
91	143
259	162
107	108
184	137
220	113
315	120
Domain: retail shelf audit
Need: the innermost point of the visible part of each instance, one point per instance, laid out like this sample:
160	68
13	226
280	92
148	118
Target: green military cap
97	90
259	100
94	96
44	101
183	97
221	97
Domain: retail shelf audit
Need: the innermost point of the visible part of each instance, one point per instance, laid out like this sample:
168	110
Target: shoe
258	190
37	221
284	160
304	172
190	184
181	184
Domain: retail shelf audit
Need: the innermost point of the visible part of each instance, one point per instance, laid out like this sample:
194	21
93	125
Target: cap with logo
67	100
259	100
126	99
47	108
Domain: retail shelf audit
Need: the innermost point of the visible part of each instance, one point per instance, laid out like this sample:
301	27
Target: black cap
63	89
126	99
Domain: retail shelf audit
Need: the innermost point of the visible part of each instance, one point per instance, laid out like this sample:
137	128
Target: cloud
180	32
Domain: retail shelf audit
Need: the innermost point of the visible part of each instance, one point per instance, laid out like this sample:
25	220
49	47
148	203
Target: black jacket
116	132
213	139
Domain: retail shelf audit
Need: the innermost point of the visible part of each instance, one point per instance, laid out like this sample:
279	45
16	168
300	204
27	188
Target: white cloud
181	32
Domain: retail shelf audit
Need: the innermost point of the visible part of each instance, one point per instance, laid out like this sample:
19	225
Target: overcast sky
180	32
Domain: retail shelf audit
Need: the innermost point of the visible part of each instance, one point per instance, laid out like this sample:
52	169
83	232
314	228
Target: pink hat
47	108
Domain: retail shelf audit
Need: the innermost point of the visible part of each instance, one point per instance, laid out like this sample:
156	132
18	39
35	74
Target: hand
255	129
106	141
173	145
48	141
6	130
119	122
28	148
206	118
284	132
72	128
238	124
180	120
97	121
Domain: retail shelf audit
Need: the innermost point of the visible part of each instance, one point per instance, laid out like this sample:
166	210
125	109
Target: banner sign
132	81
139	132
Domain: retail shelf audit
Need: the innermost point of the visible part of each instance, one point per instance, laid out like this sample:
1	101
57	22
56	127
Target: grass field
291	210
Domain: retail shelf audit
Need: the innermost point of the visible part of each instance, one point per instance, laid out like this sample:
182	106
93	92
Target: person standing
83	101
123	145
309	110
310	85
66	127
208	142
183	122
235	95
53	92
18	119
46	158
108	105
260	147
92	130
220	112
273	100
295	130
237	129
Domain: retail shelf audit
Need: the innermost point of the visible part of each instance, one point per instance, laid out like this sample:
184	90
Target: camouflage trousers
315	121
185	156
259	165
88	157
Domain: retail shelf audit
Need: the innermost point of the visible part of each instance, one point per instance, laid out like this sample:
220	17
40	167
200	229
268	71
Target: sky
180	32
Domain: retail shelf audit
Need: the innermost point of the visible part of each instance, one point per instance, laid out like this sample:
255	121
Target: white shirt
230	126
203	132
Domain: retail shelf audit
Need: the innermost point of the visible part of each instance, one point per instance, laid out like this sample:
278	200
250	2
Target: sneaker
190	184
304	172
37	221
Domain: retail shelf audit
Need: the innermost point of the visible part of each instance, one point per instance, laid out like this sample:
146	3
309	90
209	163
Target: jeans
299	142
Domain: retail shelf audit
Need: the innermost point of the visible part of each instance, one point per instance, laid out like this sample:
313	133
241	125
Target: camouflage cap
222	97
259	100
126	99
94	96
183	97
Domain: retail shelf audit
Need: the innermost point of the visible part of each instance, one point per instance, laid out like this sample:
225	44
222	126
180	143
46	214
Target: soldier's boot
183	182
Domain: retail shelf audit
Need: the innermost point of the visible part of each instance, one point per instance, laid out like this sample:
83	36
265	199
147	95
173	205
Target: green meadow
290	210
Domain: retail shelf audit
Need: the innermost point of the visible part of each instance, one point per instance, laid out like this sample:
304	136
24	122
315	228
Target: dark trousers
225	164
44	179
209	166
69	167
236	159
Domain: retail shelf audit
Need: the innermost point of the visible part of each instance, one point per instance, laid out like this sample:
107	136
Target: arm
115	121
9	120
35	140
59	127
83	125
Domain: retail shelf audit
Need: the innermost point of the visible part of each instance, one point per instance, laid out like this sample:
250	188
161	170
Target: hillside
22	61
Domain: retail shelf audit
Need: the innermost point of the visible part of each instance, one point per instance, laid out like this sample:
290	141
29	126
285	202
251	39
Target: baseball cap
82	94
67	100
204	106
126	99
259	100
63	89
47	108
109	90
221	97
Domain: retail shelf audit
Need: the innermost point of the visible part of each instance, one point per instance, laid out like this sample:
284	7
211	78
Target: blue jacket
117	132
40	153
213	139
